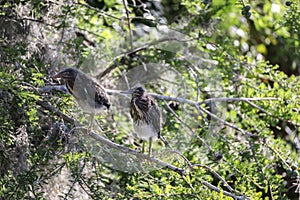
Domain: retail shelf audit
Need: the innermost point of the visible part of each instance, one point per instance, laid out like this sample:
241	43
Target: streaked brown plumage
146	116
89	94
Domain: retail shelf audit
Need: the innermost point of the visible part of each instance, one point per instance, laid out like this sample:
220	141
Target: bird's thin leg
150	146
92	116
143	147
99	125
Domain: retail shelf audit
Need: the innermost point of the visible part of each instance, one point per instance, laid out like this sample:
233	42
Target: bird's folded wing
155	116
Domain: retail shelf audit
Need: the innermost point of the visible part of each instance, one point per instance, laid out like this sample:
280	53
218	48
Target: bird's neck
142	102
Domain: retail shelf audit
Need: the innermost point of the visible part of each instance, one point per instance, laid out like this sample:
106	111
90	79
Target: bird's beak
62	75
130	91
58	75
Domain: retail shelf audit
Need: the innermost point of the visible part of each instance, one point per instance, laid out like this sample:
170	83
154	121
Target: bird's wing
101	97
79	90
155	116
89	94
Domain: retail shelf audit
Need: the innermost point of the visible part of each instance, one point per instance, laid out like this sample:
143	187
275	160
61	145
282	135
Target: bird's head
68	74
135	92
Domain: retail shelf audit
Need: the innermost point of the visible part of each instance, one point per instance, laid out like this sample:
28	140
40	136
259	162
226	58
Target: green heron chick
89	94
146	116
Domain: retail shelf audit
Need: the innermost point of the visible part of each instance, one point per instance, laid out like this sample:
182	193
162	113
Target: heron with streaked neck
146	116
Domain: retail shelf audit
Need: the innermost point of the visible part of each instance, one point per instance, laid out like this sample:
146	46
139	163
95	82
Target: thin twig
182	156
114	64
217	175
49	107
276	152
246	133
50	174
231	99
269	114
125	3
57	26
260	168
224	192
189	184
87	185
101	12
187	126
74	181
244	175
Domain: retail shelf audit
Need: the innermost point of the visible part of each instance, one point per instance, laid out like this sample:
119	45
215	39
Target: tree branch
125	3
101	12
135	153
224	192
269	114
114	64
49	107
217	175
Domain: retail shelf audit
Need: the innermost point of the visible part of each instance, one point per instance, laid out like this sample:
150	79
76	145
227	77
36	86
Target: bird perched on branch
89	94
146	116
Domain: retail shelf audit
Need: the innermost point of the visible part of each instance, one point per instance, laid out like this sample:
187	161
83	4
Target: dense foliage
231	67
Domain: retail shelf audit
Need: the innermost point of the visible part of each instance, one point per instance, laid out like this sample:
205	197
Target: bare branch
224	192
57	26
114	64
49	88
217	175
135	153
49	107
125	3
231	99
196	104
246	133
78	175
269	114
277	153
101	12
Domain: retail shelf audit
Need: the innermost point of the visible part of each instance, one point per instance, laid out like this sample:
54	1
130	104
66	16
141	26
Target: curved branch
217	175
124	149
207	184
114	64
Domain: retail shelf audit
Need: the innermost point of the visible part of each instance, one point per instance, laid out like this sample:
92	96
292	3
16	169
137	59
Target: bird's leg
92	116
143	147
150	146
